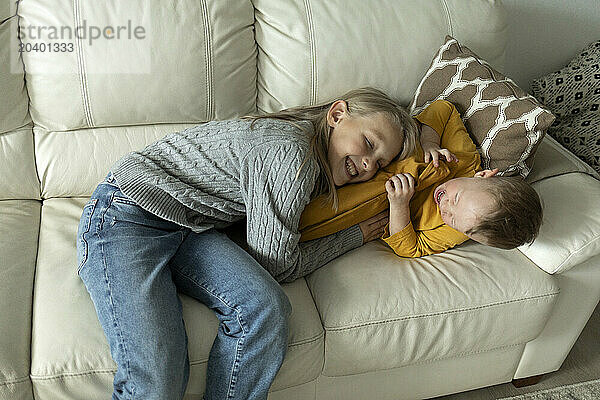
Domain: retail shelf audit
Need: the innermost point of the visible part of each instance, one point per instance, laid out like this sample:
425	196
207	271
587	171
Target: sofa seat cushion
18	229
70	354
470	299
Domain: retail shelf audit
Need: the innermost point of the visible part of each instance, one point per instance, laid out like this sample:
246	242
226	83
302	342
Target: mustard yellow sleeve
408	243
436	115
443	117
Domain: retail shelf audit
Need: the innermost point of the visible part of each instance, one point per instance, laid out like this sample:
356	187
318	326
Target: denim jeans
133	263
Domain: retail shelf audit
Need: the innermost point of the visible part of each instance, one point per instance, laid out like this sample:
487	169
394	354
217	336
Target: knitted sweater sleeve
274	200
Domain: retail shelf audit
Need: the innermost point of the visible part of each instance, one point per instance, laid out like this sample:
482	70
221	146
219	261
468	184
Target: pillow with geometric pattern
506	123
573	95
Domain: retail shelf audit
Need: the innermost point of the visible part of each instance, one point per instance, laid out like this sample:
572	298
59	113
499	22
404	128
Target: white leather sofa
367	325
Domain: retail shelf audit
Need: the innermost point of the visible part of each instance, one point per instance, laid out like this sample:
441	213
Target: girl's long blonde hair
360	103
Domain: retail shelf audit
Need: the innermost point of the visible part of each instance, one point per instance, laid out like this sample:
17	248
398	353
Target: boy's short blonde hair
517	216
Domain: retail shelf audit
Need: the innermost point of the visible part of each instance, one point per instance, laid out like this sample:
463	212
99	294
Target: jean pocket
83	229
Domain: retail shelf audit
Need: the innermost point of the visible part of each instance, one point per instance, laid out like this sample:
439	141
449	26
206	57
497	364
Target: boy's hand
400	189
432	151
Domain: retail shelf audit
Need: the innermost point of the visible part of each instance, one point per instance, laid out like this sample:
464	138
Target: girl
150	230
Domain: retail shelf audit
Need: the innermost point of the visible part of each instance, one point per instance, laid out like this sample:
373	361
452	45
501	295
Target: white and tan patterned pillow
573	95
505	122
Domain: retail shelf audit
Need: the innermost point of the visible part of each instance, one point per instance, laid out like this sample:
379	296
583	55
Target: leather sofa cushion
18	247
71	164
311	51
408	311
19	176
14	102
552	159
196	62
69	352
568	236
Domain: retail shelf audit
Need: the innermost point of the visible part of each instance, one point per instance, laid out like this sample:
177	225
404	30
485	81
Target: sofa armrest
570	232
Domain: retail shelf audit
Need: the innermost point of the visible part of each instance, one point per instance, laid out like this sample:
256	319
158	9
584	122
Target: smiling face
462	202
359	146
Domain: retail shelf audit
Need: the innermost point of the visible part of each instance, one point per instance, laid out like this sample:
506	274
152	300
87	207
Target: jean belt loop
109	178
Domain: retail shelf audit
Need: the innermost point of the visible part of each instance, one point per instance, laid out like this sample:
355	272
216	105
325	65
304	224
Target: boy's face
462	201
359	146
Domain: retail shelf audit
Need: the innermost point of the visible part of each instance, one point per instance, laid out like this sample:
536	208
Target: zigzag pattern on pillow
506	123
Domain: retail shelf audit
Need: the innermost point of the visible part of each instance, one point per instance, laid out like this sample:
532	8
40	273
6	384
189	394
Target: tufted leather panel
19	177
311	51
13	101
194	61
71	164
19	180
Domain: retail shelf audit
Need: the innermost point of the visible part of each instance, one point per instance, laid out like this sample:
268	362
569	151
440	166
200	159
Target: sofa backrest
187	61
134	72
311	51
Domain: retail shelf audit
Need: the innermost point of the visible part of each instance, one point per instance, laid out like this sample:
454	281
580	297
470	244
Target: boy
445	205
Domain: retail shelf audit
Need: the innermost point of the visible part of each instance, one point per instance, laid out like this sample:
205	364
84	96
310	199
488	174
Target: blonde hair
360	103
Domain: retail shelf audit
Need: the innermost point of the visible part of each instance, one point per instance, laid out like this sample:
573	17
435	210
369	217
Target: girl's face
359	146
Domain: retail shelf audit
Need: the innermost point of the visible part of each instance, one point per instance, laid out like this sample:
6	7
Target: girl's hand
432	151
400	189
373	227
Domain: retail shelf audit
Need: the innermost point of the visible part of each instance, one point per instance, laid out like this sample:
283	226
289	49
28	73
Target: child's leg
123	253
252	308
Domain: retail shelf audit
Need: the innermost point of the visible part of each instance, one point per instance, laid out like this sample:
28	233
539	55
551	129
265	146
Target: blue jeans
133	262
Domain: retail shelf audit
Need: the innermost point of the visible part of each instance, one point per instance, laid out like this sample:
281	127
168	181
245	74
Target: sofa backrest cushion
13	99
19	178
131	63
311	51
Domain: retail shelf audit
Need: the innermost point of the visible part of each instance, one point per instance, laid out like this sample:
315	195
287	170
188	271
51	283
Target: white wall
544	35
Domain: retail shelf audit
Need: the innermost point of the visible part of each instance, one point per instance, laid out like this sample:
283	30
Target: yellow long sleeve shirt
426	233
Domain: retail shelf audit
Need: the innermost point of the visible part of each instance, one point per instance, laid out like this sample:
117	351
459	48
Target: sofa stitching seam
208	62
579	250
77	55
345	328
459	355
448	18
195	362
307	341
563	174
81	66
71	375
313	56
15	381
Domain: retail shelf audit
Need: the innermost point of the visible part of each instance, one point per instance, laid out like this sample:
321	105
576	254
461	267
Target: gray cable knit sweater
219	172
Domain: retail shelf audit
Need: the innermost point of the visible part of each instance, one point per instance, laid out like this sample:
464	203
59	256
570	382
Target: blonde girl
151	229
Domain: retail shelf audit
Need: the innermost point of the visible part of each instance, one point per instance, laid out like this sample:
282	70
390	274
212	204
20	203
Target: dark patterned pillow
573	95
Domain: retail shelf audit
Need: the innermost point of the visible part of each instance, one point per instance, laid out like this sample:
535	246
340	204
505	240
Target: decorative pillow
505	122
573	95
